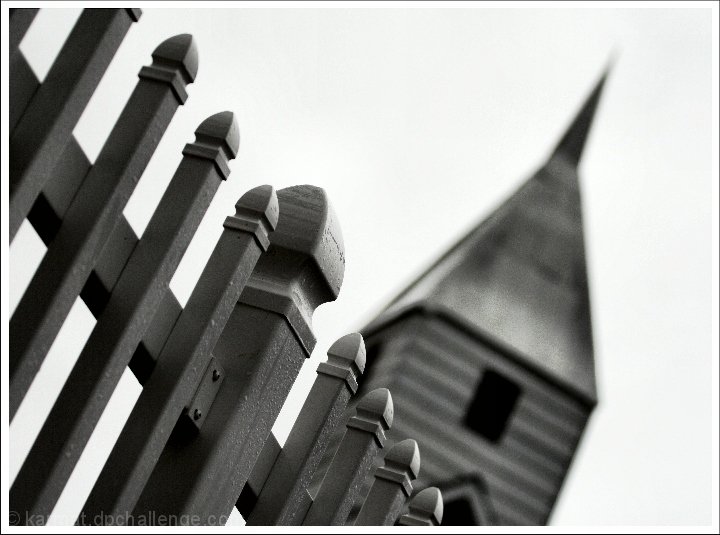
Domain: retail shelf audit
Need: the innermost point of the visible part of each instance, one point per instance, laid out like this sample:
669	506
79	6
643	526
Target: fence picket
364	438
392	485
424	509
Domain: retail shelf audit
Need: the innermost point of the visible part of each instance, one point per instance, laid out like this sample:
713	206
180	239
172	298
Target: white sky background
418	122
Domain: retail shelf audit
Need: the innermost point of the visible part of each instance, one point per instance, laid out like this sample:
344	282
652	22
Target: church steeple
489	353
519	278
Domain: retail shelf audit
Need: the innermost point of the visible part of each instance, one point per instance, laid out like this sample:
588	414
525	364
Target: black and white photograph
345	265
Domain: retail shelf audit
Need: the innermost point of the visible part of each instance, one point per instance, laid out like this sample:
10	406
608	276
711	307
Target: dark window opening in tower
458	513
494	402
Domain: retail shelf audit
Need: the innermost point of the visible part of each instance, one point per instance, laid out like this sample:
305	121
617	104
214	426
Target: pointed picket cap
218	139
404	460
175	62
283	499
184	358
179	50
392	486
424	509
374	413
133	304
364	437
349	350
256	212
346	360
96	209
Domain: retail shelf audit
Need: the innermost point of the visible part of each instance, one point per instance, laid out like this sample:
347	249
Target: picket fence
214	373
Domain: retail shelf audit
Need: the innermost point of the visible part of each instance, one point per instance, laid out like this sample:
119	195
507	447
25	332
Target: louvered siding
433	372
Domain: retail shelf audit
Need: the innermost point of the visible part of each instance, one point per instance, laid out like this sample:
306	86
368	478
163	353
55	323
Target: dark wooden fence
215	373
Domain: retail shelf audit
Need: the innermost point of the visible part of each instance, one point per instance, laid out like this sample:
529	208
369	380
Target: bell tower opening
458	513
494	401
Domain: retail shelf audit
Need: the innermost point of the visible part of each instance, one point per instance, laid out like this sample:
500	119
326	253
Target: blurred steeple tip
573	141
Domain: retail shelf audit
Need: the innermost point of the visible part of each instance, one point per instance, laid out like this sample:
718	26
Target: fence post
263	346
184	359
283	499
96	209
425	509
55	108
392	485
363	439
132	306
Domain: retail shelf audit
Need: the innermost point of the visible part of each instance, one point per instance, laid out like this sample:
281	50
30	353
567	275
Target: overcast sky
419	122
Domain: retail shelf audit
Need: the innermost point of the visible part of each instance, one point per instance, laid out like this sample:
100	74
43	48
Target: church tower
489	353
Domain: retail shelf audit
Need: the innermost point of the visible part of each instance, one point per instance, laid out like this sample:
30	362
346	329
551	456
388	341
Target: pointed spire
573	142
504	280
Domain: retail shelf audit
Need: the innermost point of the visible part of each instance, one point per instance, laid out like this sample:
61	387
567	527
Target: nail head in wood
205	394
